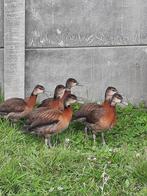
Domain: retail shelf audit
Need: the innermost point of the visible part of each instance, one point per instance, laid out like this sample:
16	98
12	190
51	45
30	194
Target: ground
74	166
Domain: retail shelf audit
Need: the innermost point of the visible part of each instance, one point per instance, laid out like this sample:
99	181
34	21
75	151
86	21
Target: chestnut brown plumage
70	83
54	102
51	103
104	117
16	108
87	110
89	107
49	122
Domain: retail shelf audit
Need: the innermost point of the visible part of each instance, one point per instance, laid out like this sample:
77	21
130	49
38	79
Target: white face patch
70	101
74	84
38	91
61	93
116	100
110	94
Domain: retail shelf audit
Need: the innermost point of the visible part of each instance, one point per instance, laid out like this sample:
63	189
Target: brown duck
16	108
52	103
50	122
104	117
89	107
70	83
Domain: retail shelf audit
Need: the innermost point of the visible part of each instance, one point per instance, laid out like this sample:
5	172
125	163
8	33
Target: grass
74	166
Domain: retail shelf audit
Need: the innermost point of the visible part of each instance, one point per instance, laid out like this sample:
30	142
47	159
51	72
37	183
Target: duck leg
86	131
103	139
48	141
94	138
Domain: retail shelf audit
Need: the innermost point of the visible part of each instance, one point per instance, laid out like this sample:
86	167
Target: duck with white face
50	122
110	91
58	94
116	98
39	89
59	91
16	108
51	103
104	117
89	107
70	83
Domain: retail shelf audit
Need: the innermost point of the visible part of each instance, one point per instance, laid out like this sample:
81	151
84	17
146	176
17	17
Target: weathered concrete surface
1	68
96	68
62	23
14	48
1	23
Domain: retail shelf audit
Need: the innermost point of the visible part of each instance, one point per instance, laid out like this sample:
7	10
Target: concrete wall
96	68
74	23
99	42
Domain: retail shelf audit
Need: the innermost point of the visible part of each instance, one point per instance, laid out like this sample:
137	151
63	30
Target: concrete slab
96	68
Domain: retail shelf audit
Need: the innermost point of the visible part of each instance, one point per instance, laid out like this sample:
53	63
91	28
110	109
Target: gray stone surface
14	48
1	23
1	68
96	68
62	23
77	24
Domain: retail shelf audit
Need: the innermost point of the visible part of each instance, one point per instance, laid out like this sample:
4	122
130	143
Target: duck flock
54	115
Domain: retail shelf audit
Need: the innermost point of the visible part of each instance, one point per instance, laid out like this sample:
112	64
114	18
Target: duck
17	108
55	101
104	117
89	107
53	121
70	83
51	103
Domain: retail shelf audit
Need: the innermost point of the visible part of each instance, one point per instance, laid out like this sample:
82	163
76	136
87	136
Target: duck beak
125	100
78	84
124	103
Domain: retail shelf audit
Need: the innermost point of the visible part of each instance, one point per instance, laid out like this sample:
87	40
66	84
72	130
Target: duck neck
32	100
66	93
68	112
106	101
55	96
112	104
68	87
66	103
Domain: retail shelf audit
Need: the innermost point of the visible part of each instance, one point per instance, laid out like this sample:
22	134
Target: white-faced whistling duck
50	122
16	108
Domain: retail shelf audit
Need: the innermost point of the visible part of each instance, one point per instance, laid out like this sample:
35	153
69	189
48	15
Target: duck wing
86	109
47	117
95	115
35	114
45	102
13	105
